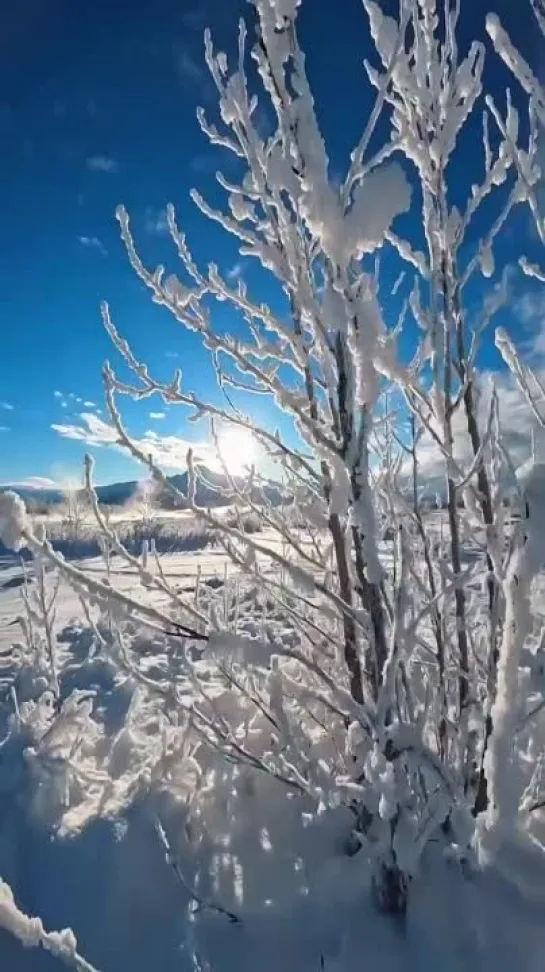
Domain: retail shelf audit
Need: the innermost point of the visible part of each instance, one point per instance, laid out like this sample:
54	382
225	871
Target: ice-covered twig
32	934
202	904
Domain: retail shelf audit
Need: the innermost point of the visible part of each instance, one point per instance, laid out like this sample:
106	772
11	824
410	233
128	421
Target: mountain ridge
212	489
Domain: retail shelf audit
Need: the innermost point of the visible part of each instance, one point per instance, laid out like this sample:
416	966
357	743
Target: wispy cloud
194	19
529	308
169	452
188	67
4	428
157	415
535	346
203	163
102	163
156	222
172	354
236	271
191	68
93	243
7	406
61	398
70	398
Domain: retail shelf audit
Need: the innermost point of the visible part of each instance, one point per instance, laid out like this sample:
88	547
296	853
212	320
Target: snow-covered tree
363	656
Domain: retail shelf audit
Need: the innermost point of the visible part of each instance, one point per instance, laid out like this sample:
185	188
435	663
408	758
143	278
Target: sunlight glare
238	449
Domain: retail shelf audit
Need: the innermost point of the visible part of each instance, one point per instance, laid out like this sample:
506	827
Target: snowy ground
180	568
111	883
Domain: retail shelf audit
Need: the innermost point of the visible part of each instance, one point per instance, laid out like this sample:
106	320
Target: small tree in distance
379	676
75	511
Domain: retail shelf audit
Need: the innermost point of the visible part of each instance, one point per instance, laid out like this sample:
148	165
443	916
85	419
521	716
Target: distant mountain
31	494
117	494
212	490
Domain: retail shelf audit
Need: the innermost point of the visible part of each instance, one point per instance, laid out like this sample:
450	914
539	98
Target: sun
237	448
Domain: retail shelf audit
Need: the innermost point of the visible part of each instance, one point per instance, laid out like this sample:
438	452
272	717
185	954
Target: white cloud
93	243
58	394
516	419
169	452
7	406
93	431
32	482
89	404
157	415
4	428
102	163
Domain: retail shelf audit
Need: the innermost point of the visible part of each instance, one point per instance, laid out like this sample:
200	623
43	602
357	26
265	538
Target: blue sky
97	107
